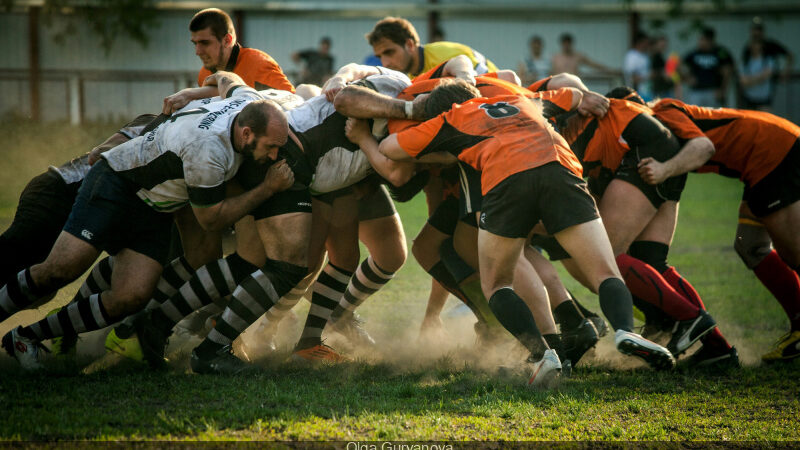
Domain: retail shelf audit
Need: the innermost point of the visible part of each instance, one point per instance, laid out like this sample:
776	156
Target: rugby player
125	205
762	150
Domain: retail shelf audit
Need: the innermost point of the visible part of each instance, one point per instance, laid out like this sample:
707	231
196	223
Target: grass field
446	390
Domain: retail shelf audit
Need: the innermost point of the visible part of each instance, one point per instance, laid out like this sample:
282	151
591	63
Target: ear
410	45
227	41
246	133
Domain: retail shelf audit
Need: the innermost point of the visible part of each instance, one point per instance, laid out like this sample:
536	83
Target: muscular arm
390	148
591	102
181	98
694	154
108	144
397	173
224	81
363	103
344	75
225	213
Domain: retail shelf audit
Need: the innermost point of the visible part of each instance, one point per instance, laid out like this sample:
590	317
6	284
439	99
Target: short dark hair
566	37
708	33
256	116
640	36
535	38
447	92
214	18
325	40
625	93
395	29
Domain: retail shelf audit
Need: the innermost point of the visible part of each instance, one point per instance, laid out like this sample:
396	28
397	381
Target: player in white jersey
121	208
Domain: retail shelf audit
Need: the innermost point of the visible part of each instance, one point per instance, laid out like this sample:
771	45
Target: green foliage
107	19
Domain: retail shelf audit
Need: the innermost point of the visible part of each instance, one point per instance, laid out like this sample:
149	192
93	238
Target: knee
752	244
393	259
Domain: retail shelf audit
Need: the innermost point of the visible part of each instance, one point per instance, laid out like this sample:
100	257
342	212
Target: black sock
568	316
515	317
440	273
653	253
616	303
586	313
554	342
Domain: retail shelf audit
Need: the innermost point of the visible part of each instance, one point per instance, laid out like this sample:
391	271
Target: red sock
713	338
646	283
684	287
783	283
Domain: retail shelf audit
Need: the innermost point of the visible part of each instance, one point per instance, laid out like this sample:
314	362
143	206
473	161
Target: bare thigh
626	212
385	240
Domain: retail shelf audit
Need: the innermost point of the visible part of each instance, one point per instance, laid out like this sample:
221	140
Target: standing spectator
318	63
664	71
636	65
708	70
757	55
437	35
535	66
568	60
756	77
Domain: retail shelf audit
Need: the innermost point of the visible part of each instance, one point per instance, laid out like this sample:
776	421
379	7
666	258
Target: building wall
501	38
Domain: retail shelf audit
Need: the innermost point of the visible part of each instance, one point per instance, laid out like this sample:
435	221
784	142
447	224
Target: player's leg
285	238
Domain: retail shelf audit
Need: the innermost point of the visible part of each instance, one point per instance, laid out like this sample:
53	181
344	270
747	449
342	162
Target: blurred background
111	60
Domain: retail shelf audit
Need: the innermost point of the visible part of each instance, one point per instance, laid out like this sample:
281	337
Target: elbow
707	148
399	178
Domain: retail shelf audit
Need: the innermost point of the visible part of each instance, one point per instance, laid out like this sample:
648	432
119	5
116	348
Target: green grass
446	390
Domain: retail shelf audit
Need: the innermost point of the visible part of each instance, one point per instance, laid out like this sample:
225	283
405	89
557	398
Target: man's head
213	37
447	92
325	45
706	41
566	42
260	129
536	45
641	41
626	93
395	41
757	29
659	43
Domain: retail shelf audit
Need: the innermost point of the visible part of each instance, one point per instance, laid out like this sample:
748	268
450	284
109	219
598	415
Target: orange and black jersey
601	143
541	85
554	103
749	144
497	136
257	69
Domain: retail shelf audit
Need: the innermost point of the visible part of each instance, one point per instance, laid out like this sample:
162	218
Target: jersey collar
421	66
234	56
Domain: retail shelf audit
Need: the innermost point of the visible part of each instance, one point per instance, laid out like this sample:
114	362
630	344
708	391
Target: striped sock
84	315
99	279
172	278
254	296
367	280
19	293
328	289
209	283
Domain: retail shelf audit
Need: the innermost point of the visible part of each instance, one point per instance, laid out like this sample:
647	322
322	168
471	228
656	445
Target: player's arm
346	74
225	82
391	148
181	98
113	141
460	67
397	173
691	156
363	103
592	102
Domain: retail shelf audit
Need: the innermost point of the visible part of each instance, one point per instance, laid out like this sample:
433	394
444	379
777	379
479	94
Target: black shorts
375	204
108	215
549	244
670	189
43	208
445	216
550	193
779	189
470	198
284	202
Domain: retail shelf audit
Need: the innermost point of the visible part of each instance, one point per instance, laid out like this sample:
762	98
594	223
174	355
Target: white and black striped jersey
75	170
186	159
335	161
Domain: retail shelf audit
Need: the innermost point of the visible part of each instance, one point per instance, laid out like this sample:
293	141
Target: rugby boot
128	347
223	362
64	346
545	372
632	344
318	353
578	341
152	340
351	326
687	332
786	348
708	357
23	349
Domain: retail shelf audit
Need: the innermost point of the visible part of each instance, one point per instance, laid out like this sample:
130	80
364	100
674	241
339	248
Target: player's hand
468	76
357	130
279	177
175	102
332	87
593	104
652	171
94	155
418	107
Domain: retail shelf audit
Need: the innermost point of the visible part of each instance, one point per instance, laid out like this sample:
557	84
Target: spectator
636	66
318	64
535	66
568	60
756	77
707	69
770	48
664	71
437	35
